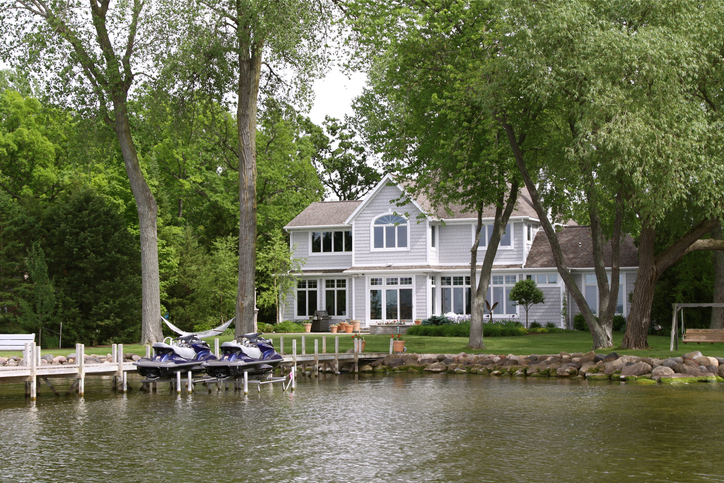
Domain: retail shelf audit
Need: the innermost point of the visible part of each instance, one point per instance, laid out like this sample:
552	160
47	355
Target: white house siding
420	308
360	300
455	242
550	311
318	261
362	227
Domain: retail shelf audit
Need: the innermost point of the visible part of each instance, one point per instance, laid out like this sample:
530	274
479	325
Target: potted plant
398	345
355	325
307	326
418	321
333	328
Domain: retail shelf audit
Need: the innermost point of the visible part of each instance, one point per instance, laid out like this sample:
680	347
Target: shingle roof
324	213
577	247
523	207
333	213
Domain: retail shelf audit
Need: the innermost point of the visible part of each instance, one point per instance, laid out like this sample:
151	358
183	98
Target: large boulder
692	355
659	371
436	367
636	369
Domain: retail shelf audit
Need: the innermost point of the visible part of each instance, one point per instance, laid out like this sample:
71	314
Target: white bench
15	342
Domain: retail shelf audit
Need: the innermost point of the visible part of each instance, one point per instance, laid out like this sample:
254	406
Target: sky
334	94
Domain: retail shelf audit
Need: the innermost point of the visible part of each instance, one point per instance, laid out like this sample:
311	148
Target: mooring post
294	355
216	347
304	345
80	354
190	386
356	356
33	371
336	354
121	358
324	344
148	351
316	357
391	344
178	382
114	358
246	383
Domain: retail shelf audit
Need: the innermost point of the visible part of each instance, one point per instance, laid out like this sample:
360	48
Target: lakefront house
374	261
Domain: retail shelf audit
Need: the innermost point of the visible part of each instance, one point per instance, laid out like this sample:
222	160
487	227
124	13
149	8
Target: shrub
437	320
535	325
579	323
264	327
288	326
550	325
619	323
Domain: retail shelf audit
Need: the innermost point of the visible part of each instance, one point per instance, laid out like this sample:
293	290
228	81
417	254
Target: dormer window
390	232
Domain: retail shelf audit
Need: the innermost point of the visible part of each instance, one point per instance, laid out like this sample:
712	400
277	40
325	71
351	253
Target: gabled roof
324	213
341	213
523	208
577	247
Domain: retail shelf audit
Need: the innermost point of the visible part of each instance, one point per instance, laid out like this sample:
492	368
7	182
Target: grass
521	345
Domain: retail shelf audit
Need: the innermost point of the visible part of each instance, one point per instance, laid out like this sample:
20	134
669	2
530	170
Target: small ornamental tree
527	294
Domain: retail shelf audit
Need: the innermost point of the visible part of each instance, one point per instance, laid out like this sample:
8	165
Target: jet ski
183	354
253	354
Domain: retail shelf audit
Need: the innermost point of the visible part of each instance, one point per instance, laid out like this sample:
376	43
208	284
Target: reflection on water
438	428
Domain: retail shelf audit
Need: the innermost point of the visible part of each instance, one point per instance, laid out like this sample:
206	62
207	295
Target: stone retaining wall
691	367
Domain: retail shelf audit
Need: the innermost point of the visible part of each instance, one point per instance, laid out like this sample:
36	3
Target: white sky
334	94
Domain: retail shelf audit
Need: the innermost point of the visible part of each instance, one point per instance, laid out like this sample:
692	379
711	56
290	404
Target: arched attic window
390	232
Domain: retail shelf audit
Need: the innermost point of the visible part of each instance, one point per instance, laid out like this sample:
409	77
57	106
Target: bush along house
374	261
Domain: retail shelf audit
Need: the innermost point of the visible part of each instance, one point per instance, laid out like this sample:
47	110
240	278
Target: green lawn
522	345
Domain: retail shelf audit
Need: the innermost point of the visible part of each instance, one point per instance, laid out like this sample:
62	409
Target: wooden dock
33	371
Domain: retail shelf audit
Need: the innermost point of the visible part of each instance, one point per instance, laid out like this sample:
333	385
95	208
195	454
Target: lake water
396	428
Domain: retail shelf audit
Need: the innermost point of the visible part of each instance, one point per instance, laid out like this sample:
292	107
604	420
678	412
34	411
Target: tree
91	52
281	270
93	260
342	161
39	308
423	113
235	44
527	294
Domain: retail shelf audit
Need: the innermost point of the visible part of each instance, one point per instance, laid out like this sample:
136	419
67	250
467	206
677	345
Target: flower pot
341	326
398	346
307	327
355	325
348	328
333	329
418	322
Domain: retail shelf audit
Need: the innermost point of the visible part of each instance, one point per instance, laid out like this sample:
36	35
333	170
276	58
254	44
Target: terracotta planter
348	328
418	322
307	327
341	326
398	346
334	329
355	325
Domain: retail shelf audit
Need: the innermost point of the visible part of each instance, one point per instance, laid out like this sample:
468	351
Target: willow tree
425	112
245	49
88	55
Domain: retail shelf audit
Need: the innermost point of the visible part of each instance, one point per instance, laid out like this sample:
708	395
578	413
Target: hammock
207	333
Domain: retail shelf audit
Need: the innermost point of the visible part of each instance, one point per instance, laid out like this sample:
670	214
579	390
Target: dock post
356	356
336	354
304	345
324	344
190	385
148	351
281	345
316	357
391	344
33	371
216	347
114	358
246	383
294	356
80	354
178	382
121	358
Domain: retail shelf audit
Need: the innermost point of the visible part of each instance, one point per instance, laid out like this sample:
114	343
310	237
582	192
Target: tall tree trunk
147	215
479	290
717	313
598	334
651	267
248	91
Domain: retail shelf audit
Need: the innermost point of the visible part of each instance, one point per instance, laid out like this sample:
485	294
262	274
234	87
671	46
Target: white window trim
385	249
500	247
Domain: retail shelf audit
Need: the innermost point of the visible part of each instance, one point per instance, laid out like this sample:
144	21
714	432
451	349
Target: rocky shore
691	367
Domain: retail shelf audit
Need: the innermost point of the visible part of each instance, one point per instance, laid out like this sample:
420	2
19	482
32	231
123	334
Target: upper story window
486	232
390	231
433	234
331	241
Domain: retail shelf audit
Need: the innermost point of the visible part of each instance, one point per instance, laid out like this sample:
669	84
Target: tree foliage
527	294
